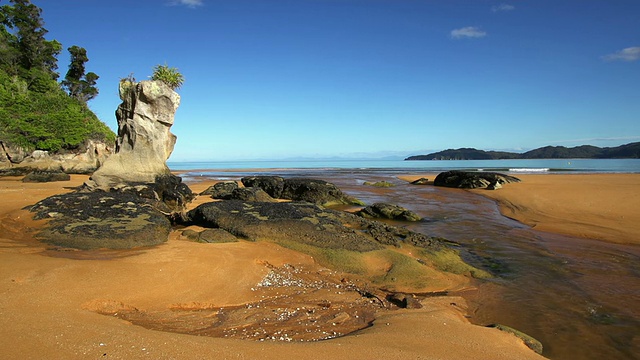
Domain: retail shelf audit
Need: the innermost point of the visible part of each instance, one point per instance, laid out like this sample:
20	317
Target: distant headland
627	151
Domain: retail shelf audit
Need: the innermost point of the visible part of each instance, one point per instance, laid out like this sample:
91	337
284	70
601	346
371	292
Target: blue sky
273	79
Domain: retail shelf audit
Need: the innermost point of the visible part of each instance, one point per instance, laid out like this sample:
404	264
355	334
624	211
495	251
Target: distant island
627	151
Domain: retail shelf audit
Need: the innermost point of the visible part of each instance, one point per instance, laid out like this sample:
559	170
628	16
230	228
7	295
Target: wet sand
50	305
594	206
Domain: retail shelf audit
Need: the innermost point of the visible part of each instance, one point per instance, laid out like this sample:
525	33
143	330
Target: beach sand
594	206
49	300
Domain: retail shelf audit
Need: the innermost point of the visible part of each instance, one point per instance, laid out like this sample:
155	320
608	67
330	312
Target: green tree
168	75
79	85
36	56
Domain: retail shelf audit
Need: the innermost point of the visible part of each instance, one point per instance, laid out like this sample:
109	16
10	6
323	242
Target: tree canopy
35	111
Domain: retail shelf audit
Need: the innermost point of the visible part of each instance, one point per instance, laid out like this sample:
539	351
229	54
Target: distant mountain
628	151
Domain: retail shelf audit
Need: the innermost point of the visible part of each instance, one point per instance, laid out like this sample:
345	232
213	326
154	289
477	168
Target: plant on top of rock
168	75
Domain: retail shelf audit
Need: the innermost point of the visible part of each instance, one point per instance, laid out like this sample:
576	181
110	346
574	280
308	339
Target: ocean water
398	166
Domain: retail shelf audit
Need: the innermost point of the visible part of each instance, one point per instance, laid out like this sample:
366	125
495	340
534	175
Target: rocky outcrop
251	194
95	220
144	142
272	185
316	191
473	179
221	190
303	222
301	189
46	176
388	211
85	160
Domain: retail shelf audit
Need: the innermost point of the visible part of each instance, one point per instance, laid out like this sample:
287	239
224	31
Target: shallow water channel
579	297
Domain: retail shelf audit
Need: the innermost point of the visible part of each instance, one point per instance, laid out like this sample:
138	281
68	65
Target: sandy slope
48	298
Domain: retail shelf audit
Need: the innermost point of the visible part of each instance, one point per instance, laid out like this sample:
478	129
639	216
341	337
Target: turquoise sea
401	166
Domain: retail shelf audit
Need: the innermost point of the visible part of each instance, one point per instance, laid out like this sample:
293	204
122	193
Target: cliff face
144	142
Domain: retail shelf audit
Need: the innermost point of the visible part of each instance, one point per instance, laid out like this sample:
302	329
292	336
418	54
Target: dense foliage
629	151
35	111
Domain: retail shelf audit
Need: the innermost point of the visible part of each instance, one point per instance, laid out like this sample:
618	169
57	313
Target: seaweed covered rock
388	211
95	220
304	223
473	179
316	191
272	185
221	190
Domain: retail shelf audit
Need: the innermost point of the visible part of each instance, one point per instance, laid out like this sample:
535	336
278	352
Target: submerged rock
473	179
421	181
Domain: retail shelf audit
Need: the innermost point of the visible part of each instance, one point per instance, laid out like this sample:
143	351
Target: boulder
316	191
46	176
251	194
13	154
96	220
473	179
272	185
404	301
216	236
421	181
303	222
388	211
144	141
221	190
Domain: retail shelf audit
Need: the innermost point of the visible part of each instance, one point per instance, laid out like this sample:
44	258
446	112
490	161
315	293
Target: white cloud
468	32
502	7
628	54
187	3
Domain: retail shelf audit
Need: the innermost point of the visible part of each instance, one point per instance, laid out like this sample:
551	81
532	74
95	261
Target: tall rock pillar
144	142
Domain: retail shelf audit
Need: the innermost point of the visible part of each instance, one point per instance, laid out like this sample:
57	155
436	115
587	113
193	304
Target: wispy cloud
628	54
502	7
468	32
187	3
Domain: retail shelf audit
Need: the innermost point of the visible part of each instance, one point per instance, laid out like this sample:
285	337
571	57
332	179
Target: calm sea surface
579	297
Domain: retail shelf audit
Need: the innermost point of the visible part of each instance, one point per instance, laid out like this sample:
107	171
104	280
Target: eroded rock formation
145	141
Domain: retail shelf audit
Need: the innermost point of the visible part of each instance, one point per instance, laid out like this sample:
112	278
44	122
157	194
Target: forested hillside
37	111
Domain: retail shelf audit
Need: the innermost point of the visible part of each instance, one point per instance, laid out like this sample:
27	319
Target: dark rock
216	236
305	223
272	185
472	179
382	184
388	211
98	219
221	190
191	234
46	176
251	194
16	171
316	191
404	301
530	341
421	181
167	194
